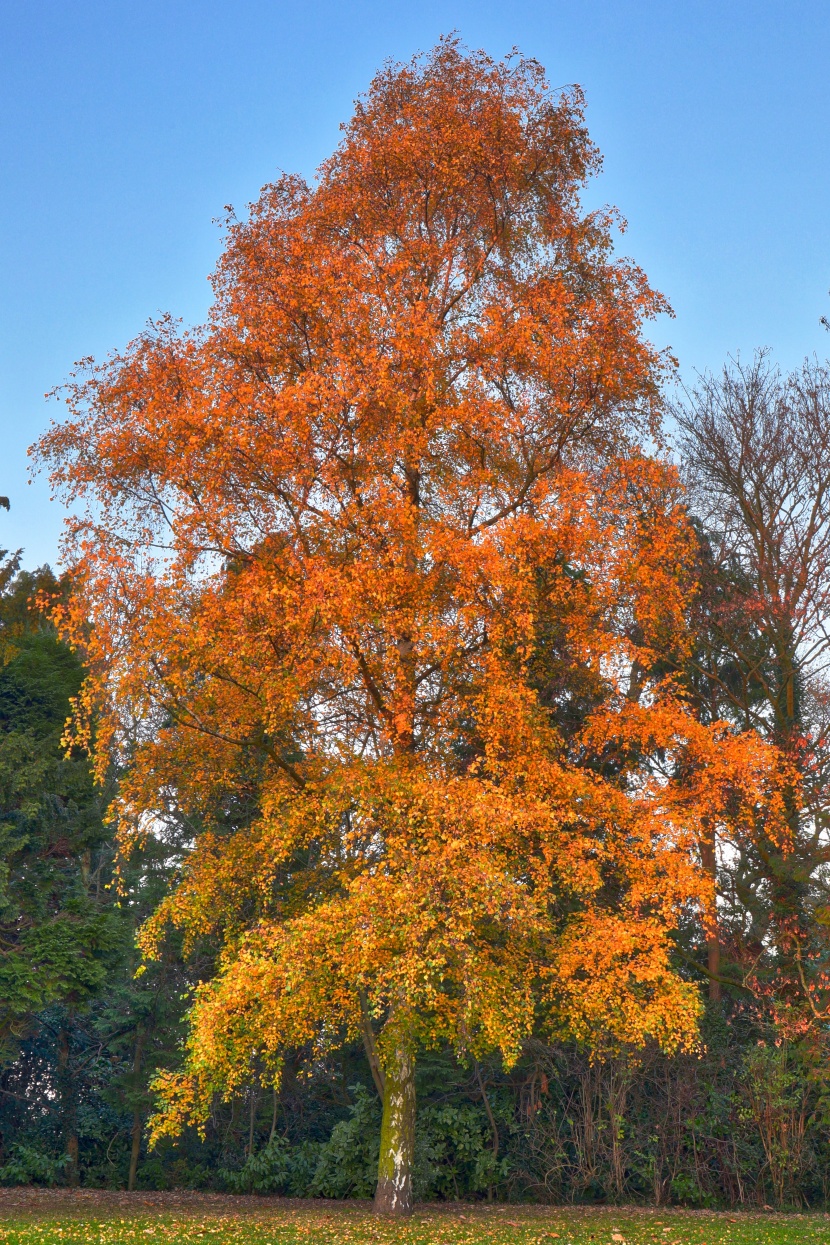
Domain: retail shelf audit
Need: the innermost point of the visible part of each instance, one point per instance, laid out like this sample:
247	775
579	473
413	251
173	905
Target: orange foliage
379	551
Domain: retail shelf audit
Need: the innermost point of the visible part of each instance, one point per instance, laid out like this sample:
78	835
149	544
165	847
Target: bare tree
755	448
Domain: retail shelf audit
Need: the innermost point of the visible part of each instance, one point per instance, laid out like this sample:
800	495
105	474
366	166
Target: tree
378	555
60	929
756	450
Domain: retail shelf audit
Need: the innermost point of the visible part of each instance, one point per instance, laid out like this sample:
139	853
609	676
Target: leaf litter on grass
88	1218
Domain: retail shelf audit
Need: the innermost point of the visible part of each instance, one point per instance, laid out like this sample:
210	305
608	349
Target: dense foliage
460	742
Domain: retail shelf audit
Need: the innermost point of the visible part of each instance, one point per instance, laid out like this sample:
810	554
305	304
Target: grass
43	1218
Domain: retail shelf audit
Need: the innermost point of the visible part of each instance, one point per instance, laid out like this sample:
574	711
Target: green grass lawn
157	1219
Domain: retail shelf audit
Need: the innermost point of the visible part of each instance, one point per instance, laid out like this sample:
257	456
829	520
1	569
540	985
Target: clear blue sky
125	126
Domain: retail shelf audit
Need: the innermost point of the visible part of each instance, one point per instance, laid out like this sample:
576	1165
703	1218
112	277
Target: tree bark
397	1135
138	1124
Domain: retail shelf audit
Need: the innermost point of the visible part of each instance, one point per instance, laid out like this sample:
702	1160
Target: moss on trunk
397	1135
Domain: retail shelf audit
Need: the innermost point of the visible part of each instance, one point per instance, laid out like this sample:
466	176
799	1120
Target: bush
454	1153
28	1166
344	1166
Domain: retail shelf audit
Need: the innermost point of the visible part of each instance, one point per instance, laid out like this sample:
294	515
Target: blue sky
125	128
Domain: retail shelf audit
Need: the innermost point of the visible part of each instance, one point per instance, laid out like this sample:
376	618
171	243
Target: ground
84	1217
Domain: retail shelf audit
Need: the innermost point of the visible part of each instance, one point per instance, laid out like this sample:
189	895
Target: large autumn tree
378	555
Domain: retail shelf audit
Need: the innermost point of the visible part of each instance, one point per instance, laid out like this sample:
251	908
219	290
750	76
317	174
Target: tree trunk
708	852
397	1135
253	1108
370	1047
68	1105
135	1150
493	1127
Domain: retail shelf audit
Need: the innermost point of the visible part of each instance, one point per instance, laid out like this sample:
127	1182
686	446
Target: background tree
60	929
756	451
379	552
